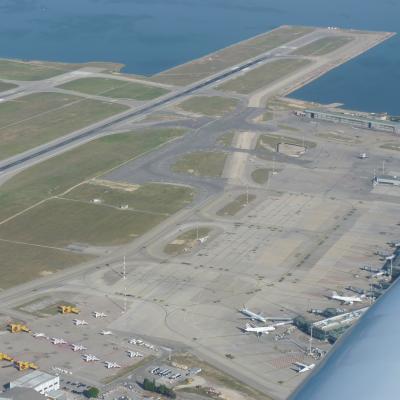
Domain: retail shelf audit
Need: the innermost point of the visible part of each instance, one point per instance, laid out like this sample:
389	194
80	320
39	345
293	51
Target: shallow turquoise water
152	35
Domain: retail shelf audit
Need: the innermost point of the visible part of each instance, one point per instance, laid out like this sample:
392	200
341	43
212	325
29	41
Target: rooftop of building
32	379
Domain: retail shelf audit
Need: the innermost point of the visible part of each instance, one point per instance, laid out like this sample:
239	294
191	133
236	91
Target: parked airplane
136	341
133	354
259	330
58	341
252	315
303	367
89	358
258	317
382	253
79	322
39	335
346	299
111	364
202	240
106	333
370	269
378	274
97	314
78	347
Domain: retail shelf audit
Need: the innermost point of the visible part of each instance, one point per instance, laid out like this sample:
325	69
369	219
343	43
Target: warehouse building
39	381
353	119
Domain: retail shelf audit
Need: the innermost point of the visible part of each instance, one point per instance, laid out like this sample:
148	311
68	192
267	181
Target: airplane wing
360	366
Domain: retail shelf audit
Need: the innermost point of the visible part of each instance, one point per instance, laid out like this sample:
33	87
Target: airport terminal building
353	119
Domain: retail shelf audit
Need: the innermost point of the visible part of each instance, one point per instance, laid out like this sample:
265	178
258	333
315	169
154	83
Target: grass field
21	263
56	175
264	75
186	240
261	175
150	198
214	106
230	56
323	46
267	116
6	86
201	164
74	219
226	139
38	70
35	119
115	88
60	222
28	71
236	205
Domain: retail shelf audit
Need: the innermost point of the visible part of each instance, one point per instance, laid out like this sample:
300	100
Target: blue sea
149	36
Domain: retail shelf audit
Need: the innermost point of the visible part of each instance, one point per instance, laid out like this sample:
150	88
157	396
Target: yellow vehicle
68	309
6	357
23	365
17	328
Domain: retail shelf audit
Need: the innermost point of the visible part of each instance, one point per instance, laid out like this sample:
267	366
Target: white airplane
110	364
97	314
133	354
252	315
39	335
138	342
303	367
203	239
378	274
89	358
105	333
362	156
78	347
79	322
58	341
259	330
346	299
370	269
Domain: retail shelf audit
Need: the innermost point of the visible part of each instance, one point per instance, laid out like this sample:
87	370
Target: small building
19	393
387	180
39	381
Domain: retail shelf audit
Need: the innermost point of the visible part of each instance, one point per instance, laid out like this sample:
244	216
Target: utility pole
124	279
273	165
310	344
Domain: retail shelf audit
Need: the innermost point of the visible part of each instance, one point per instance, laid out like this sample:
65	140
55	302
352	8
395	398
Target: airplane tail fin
248	326
334	293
